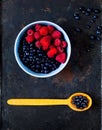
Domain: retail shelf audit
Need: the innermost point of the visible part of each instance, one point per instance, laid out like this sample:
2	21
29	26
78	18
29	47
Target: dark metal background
83	72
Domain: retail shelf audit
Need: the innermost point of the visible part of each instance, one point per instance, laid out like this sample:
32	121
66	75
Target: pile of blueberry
36	59
80	101
93	16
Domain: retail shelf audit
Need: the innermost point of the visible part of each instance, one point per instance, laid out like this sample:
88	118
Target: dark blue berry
98	38
81	8
46	71
77	29
83	11
92	21
76	14
36	70
87	13
77	17
98	32
37	66
97	11
46	64
95	17
89	10
45	68
99	27
92	37
88	26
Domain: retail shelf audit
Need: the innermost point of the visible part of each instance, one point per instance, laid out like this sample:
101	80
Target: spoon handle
37	102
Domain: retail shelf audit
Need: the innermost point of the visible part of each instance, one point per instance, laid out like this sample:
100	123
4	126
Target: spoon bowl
73	107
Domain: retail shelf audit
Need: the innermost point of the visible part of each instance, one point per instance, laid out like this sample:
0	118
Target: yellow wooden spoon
51	102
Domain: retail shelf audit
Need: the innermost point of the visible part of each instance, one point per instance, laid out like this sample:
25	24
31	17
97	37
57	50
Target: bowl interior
26	69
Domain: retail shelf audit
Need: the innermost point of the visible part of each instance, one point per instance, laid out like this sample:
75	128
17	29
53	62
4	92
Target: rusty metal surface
83	72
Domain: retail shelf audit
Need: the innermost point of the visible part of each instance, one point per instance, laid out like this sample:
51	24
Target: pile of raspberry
48	39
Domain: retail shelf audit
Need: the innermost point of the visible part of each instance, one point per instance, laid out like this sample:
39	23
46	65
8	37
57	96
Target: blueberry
52	68
37	66
38	62
46	64
92	21
77	29
37	58
83	11
45	68
31	45
95	17
87	13
42	71
31	53
40	54
98	32
36	70
55	66
78	103
34	50
32	66
76	14
89	10
46	71
77	17
99	27
80	97
81	8
27	53
76	97
98	38
88	26
85	101
97	11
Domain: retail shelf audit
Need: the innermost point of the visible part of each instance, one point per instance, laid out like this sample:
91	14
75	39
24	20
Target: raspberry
60	49
37	27
29	38
45	42
37	35
51	46
30	32
38	44
43	30
64	44
57	42
50	28
56	34
61	57
51	53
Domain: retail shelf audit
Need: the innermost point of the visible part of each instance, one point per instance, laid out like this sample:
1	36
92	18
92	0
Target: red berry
37	27
37	35
51	53
56	34
50	28
30	32
60	49
29	38
45	42
57	42
38	44
61	57
64	44
51	46
43	30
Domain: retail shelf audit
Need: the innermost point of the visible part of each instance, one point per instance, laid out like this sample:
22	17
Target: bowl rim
25	68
